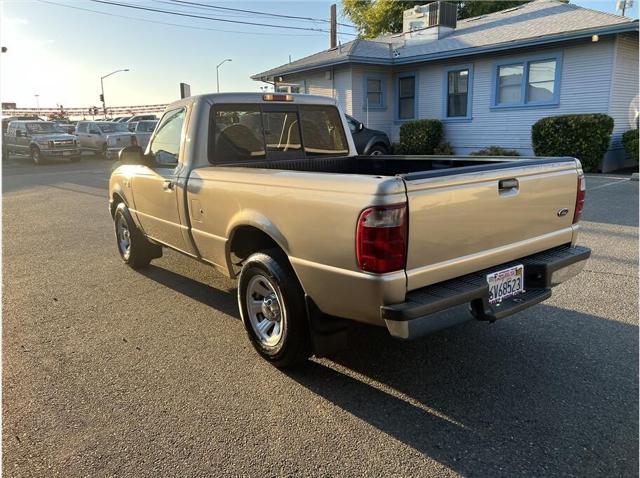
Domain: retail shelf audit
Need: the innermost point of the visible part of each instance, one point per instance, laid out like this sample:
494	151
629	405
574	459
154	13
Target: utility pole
333	28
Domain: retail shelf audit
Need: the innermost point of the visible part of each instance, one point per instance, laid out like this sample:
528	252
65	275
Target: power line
278	15
176	24
148	9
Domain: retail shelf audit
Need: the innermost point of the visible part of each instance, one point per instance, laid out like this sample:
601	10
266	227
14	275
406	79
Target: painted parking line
619	181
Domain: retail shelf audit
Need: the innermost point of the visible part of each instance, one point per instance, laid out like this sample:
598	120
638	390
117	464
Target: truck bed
409	167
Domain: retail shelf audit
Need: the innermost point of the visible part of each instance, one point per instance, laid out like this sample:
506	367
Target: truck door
95	137
155	188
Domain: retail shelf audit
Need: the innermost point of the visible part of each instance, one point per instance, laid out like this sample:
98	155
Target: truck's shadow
220	299
536	395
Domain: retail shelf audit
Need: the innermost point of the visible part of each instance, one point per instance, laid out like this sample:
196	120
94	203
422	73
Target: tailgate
467	221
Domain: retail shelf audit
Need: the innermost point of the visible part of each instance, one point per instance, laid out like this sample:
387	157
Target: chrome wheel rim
36	155
266	314
124	237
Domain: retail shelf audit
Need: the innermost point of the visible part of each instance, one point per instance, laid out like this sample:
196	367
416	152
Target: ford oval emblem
563	212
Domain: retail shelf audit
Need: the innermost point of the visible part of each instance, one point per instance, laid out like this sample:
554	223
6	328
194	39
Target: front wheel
37	157
135	250
271	303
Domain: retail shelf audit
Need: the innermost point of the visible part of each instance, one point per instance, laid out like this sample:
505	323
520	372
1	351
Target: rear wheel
272	307
378	150
36	156
134	248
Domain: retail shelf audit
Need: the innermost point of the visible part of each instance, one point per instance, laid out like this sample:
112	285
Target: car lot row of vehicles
44	140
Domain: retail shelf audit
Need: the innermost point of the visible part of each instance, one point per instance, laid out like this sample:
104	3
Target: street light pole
37	104
218	73
104	104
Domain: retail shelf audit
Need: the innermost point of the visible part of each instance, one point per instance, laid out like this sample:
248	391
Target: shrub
630	143
495	151
444	149
584	136
420	136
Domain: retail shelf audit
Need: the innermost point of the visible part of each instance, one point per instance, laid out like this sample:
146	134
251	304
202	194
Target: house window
541	83
374	92
510	84
458	94
407	97
531	82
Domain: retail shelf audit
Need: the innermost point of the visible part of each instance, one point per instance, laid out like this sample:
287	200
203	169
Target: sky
58	50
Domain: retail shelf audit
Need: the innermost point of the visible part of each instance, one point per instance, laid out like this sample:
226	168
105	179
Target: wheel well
381	144
115	200
245	240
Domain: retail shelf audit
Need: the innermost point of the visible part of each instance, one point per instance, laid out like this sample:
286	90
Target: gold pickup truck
269	188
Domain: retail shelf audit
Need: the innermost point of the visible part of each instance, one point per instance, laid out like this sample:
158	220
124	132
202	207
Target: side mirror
360	126
131	155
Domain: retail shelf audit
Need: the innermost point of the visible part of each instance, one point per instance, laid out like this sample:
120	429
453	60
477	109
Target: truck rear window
246	132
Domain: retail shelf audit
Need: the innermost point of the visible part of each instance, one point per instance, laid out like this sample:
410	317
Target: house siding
380	119
595	77
584	88
623	103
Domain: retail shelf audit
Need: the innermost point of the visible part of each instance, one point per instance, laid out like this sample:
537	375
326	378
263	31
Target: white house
488	78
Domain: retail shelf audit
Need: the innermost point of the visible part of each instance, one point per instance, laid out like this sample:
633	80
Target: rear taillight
381	239
134	140
580	196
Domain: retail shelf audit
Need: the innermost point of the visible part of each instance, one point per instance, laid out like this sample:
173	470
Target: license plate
505	283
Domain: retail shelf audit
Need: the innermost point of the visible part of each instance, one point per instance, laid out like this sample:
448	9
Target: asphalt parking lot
113	372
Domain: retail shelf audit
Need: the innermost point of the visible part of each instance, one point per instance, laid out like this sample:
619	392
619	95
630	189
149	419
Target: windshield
146	126
113	127
43	128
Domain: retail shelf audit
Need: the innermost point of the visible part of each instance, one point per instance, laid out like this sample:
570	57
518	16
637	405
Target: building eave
549	39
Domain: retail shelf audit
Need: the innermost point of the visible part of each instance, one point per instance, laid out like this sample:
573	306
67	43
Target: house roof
540	21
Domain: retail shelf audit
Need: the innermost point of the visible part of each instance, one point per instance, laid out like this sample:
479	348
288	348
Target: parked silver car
143	132
102	137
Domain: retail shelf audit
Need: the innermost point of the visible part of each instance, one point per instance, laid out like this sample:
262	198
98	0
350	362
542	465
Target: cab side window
82	127
165	146
93	128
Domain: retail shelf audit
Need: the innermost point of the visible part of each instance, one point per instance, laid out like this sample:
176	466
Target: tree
374	18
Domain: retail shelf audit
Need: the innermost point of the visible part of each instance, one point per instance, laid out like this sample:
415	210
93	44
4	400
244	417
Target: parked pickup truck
268	188
40	140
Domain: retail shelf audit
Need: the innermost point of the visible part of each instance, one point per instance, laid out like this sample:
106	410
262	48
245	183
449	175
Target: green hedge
420	136
630	142
495	151
584	136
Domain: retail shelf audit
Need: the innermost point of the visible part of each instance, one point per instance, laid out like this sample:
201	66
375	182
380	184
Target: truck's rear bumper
458	300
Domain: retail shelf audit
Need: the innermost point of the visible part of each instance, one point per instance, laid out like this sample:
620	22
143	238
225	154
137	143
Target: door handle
508	187
508	184
167	186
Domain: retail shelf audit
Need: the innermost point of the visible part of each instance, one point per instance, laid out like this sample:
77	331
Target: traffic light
101	97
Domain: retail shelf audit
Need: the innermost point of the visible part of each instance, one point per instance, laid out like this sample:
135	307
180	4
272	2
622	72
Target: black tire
294	345
378	149
140	251
36	156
